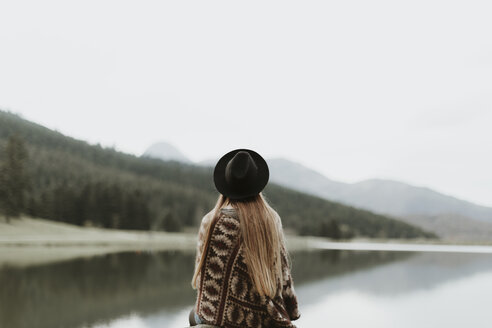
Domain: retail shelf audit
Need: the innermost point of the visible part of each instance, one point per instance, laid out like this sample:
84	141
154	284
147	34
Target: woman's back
227	296
242	272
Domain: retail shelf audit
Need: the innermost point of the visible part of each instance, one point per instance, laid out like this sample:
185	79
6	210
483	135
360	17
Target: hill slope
379	195
74	182
166	152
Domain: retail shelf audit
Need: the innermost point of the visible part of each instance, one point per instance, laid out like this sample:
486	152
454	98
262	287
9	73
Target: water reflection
83	292
426	290
144	290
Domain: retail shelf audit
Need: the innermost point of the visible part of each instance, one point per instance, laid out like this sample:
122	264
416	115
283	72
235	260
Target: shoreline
27	241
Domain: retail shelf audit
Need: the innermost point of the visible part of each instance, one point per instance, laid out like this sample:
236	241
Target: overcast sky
354	89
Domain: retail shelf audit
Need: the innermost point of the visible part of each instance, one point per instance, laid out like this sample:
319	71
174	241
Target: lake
336	288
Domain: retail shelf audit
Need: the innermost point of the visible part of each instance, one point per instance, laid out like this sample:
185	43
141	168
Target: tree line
48	175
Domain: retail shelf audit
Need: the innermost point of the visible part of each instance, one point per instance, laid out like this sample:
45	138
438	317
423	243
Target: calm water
341	288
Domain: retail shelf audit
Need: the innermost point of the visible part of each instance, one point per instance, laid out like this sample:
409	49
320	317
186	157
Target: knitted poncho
226	294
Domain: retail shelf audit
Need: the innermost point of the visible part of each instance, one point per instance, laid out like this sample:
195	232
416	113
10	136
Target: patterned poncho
226	294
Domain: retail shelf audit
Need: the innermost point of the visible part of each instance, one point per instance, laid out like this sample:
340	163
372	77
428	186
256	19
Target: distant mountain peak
165	151
297	176
384	196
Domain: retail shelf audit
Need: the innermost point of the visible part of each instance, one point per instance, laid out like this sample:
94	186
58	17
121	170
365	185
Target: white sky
354	89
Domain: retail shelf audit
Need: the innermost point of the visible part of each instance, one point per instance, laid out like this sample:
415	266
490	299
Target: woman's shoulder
205	223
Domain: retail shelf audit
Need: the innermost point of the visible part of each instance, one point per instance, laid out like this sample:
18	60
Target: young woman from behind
242	270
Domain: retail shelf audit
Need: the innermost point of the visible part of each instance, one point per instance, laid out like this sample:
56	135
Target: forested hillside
71	181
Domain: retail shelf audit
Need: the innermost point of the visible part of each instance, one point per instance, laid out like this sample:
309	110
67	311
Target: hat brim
256	186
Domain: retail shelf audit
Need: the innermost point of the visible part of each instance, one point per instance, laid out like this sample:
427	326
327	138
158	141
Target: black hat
241	173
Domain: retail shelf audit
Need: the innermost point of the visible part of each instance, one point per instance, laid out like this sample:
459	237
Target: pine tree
13	178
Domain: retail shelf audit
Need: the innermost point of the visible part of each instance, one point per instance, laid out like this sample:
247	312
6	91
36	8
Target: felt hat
241	173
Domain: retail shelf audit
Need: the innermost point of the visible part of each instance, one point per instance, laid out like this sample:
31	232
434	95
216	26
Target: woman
242	273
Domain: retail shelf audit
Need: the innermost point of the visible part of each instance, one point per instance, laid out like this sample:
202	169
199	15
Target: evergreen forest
46	174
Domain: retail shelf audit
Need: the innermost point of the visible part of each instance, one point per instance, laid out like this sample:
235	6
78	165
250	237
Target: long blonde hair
262	239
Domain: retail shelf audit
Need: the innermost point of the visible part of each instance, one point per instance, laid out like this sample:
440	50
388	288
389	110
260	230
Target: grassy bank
28	241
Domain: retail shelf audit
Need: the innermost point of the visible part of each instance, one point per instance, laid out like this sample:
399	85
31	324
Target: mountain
166	152
397	198
445	215
294	175
76	182
379	195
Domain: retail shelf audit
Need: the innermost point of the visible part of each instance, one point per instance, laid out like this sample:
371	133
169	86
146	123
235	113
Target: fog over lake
342	288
